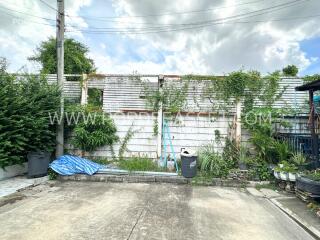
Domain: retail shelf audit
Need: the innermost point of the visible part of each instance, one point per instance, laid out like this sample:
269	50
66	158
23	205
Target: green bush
298	159
290	70
212	162
282	150
98	130
285	166
24	116
260	171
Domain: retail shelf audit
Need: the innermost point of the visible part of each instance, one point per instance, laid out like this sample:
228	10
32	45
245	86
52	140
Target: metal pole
315	148
238	124
60	73
160	118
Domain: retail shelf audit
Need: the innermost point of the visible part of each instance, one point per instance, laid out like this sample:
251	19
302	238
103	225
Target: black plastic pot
308	185
243	166
38	163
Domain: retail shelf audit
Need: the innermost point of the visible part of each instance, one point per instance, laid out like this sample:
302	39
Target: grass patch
202	178
271	186
140	164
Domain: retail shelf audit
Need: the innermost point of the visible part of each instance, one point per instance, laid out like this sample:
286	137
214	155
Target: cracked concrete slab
269	193
93	210
255	192
12	185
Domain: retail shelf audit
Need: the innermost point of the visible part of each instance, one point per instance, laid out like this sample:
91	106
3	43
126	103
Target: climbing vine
172	96
248	87
222	91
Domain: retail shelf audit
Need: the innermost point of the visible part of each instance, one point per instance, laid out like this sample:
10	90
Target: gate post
159	118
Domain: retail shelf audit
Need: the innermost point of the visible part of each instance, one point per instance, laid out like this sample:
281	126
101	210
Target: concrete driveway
93	210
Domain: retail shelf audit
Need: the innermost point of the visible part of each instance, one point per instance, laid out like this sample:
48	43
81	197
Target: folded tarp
69	165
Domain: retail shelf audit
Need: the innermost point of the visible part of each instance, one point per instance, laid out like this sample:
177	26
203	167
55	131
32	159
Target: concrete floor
87	210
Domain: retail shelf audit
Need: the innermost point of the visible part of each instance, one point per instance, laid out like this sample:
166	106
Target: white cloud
219	49
264	46
21	33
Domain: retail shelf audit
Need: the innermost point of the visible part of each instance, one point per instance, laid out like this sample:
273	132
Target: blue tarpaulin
69	165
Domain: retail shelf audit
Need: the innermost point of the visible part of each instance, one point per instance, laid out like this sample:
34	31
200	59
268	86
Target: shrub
260	171
97	131
24	116
285	166
290	70
314	175
282	150
298	159
212	162
230	153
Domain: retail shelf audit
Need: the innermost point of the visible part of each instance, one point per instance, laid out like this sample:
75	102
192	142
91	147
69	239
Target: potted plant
299	160
309	182
286	171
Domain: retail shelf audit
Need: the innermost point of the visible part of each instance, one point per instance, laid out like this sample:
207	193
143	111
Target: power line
27	14
28	20
197	24
211	25
48	5
106	18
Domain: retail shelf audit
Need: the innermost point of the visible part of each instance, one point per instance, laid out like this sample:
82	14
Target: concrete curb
134	178
126	178
310	229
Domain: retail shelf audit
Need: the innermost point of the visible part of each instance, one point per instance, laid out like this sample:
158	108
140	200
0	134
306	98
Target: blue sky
252	42
312	49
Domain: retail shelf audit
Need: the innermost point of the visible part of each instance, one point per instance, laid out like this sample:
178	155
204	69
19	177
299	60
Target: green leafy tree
75	57
24	116
290	70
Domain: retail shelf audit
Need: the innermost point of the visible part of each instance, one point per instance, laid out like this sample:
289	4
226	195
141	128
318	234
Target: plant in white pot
286	171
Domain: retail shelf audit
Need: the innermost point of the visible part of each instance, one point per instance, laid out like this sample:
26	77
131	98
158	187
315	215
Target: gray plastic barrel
188	164
38	163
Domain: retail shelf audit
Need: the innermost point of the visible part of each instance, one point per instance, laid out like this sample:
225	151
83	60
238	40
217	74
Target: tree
24	115
75	57
290	70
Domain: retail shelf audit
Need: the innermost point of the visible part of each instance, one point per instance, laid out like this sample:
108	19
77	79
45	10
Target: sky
170	37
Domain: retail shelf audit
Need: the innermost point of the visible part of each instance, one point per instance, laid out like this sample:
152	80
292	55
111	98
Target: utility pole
60	75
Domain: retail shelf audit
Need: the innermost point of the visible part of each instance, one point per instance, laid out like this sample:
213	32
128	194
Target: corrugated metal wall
123	99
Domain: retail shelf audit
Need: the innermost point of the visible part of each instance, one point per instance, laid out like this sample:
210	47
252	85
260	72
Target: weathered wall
123	99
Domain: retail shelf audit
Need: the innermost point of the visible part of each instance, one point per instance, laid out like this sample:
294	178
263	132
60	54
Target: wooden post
238	124
84	89
314	136
159	118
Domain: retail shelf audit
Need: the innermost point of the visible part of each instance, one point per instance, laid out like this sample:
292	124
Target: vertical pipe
315	149
238	124
159	118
